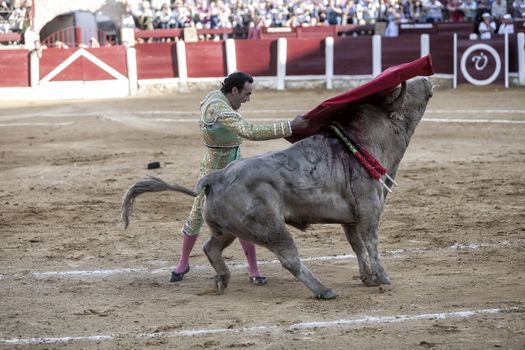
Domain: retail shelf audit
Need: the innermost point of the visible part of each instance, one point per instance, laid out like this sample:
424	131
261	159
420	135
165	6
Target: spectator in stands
145	16
358	13
184	16
483	7
350	14
487	27
294	13
507	25
416	11
4	27
392	28
433	11
469	8
128	21
519	8
163	17
18	17
499	9
156	4
292	22
224	15
255	30
371	11
302	16
5	9
5	12
202	18
93	42
455	10
283	13
213	12
334	13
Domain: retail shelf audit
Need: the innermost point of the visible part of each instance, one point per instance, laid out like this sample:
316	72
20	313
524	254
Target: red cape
383	83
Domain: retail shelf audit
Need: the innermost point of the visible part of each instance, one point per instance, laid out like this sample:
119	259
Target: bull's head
395	105
406	106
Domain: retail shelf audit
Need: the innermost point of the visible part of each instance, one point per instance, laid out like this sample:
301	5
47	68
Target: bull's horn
398	101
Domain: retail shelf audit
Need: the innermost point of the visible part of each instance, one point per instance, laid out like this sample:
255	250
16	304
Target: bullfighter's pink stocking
186	246
251	257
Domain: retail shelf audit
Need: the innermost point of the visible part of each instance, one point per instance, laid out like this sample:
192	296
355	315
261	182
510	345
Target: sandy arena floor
452	236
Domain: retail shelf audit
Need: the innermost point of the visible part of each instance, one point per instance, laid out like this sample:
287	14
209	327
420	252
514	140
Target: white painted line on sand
475	111
393	319
196	113
431	111
311	326
3	125
434	120
234	265
193	121
473	121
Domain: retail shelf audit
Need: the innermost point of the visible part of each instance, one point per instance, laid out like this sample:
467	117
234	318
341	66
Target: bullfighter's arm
256	132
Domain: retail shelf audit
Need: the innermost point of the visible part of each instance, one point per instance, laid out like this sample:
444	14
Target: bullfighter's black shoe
176	277
258	280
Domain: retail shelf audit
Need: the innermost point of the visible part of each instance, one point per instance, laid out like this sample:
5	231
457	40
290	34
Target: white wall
46	10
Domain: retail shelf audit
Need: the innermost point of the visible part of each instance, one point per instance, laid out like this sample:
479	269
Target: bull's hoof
383	279
375	280
327	295
369	281
221	283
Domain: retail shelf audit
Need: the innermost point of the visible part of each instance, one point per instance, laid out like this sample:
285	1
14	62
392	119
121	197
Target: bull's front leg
213	249
354	238
286	252
367	228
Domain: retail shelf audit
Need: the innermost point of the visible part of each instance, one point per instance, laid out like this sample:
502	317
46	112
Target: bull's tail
153	184
206	181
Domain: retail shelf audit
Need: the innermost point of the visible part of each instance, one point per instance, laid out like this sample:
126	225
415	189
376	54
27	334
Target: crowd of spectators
212	14
152	14
14	15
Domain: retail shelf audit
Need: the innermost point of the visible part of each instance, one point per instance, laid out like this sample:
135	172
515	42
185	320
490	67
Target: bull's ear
393	104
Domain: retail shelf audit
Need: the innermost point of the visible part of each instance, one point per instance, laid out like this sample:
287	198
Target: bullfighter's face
238	97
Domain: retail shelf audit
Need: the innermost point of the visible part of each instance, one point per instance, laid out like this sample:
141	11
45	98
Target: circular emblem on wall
480	64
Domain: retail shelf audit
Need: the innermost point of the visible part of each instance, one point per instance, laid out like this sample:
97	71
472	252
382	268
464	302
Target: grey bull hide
313	181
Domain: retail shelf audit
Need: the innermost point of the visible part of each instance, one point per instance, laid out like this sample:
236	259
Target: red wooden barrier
10	37
399	50
257	57
178	33
441	49
305	57
14	68
353	56
513	57
83	69
481	64
206	59
156	60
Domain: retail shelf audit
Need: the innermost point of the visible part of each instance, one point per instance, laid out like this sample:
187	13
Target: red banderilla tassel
372	166
375	163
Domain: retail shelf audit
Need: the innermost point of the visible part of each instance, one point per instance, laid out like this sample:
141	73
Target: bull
313	181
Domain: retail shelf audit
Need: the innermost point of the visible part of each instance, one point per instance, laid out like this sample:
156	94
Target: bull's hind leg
354	238
213	249
286	251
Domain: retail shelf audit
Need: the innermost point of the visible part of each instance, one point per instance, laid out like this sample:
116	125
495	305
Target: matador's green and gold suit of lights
223	129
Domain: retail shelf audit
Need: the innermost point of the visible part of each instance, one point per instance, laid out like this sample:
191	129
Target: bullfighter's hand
299	124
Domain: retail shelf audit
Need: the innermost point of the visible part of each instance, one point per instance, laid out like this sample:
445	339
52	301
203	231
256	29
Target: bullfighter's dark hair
236	79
